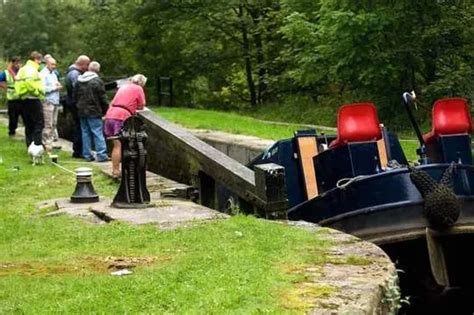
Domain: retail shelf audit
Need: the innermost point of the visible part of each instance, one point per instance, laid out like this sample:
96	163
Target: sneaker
104	160
91	159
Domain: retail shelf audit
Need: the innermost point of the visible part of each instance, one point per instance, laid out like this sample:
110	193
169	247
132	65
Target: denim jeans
92	128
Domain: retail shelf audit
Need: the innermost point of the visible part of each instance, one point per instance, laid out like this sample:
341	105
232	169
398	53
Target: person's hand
58	86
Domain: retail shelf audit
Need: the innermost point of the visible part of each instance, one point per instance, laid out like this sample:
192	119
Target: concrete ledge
163	213
362	276
239	147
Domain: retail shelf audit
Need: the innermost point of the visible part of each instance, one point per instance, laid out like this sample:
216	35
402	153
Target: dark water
418	284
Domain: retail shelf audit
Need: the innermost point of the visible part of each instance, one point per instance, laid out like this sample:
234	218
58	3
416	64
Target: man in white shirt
51	103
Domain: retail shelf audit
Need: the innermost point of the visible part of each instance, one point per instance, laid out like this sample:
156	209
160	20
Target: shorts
112	127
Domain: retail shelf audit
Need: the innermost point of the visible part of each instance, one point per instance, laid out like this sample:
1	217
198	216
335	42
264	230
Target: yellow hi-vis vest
28	83
11	94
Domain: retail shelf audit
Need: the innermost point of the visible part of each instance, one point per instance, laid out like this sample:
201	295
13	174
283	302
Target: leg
55	122
17	106
13	114
97	130
47	135
26	115
77	133
116	157
86	139
38	121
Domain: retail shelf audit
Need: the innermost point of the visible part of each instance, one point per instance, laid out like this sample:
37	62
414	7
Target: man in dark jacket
73	72
91	106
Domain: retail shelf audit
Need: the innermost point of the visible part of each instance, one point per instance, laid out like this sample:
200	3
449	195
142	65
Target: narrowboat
359	181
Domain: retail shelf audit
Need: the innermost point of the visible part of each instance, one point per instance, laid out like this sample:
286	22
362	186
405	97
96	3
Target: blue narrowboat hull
385	207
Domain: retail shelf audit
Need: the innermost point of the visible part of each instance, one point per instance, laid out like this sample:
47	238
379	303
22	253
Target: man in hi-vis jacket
30	89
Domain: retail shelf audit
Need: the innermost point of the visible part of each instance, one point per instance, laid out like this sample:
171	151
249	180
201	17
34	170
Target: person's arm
141	99
71	81
104	103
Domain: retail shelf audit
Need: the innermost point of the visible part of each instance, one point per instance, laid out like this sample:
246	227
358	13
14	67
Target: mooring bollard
84	192
271	190
132	192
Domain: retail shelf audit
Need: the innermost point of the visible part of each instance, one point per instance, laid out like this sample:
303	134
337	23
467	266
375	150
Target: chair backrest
356	123
451	116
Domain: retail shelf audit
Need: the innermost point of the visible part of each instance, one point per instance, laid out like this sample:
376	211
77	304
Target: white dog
36	152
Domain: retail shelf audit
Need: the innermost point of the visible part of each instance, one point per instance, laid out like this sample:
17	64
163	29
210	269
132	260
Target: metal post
132	192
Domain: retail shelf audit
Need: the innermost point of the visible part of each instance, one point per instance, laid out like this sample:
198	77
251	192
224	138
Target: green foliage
370	50
48	26
253	54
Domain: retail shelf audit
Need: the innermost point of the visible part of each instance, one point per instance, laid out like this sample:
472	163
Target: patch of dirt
117	263
81	266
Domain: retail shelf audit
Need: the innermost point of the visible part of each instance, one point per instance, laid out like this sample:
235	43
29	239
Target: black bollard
132	192
84	192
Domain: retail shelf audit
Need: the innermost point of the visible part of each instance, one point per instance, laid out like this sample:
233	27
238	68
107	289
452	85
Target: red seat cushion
450	116
356	123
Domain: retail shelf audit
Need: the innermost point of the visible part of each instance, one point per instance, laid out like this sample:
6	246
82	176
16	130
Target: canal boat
359	181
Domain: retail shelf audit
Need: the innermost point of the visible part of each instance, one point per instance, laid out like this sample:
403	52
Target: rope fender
441	207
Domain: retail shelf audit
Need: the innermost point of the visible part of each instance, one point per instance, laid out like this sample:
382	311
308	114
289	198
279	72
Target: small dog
36	152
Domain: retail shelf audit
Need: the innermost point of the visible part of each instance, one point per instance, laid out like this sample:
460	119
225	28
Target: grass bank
227	121
240	124
60	264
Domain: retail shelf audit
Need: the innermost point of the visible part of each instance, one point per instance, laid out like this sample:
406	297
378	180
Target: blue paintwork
380	190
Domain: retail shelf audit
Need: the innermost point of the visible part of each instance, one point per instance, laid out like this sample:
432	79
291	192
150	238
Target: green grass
228	122
59	264
239	124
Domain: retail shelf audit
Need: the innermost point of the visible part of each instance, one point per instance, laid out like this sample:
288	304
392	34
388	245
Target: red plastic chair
357	123
450	116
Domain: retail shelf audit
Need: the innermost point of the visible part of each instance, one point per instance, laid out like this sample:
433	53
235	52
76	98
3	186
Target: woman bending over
127	100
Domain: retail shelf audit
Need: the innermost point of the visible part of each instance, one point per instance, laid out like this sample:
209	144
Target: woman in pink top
127	100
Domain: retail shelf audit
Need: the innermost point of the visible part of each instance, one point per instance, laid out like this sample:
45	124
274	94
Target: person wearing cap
7	81
127	100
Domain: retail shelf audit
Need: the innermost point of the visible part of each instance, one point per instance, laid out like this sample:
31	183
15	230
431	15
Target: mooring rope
63	168
344	182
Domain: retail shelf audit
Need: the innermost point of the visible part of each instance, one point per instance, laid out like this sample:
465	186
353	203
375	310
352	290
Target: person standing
8	78
91	107
128	99
51	102
73	72
30	89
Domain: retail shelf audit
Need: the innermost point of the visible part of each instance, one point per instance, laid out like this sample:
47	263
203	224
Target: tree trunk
247	58
262	70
